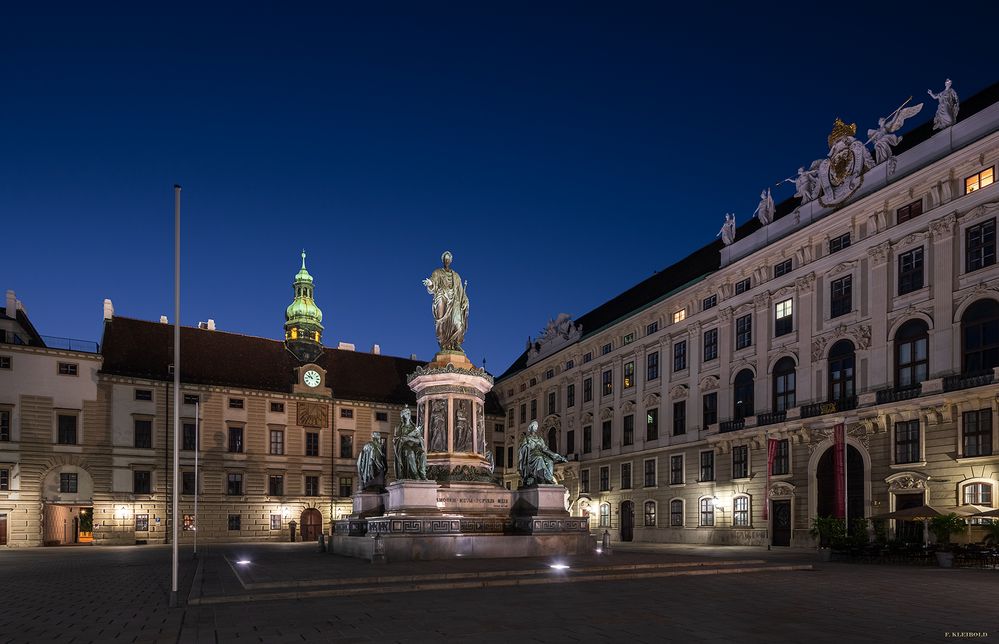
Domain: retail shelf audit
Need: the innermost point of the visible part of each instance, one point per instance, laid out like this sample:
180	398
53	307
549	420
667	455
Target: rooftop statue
947	107
450	305
536	463
766	210
727	232
884	137
410	453
371	463
806	184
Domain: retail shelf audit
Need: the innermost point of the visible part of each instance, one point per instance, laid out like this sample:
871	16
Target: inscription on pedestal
473	500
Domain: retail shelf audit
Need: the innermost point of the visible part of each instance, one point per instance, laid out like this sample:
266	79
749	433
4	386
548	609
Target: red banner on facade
839	467
771	455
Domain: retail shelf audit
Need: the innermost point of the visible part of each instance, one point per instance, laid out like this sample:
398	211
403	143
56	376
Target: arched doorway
627	521
825	484
312	524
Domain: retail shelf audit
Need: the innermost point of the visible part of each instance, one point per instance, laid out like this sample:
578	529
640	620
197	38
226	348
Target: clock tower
303	328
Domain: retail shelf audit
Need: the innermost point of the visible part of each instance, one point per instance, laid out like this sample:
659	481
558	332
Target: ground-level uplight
243	562
559	566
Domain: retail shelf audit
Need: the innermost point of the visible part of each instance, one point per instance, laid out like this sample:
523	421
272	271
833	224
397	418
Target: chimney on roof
108	309
11	304
375	349
412	356
346	346
164	320
211	324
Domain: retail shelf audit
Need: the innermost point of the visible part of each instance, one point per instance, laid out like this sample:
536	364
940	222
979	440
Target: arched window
784	384
605	515
650	514
552	439
743	394
841	367
977	494
980	337
707	511
740	512
911	354
676	513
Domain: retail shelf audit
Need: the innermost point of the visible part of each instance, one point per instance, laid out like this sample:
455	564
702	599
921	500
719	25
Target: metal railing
771	418
968	380
828	407
51	342
895	394
732	425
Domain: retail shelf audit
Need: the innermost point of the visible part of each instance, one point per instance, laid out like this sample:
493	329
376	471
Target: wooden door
627	521
312	525
781	516
3	530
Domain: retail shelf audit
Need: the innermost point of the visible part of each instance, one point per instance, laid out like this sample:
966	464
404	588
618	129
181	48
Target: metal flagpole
176	386
197	448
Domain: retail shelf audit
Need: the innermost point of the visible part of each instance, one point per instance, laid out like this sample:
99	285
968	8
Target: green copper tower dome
303	327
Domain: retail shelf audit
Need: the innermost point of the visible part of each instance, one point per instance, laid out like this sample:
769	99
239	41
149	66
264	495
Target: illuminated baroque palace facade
871	300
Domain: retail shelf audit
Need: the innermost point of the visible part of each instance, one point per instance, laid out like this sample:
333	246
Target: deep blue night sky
562	155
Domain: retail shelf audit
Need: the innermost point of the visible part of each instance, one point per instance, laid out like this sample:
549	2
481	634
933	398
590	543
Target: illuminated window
740	512
605	515
978	494
607	382
142	523
188	522
275	522
628	339
980	180
650	514
679	316
707	511
629	375
783	318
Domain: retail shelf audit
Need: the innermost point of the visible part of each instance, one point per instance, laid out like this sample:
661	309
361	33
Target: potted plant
942	528
830	532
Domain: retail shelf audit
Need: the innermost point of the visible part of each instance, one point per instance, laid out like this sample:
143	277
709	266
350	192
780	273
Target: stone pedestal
368	504
412	497
542	499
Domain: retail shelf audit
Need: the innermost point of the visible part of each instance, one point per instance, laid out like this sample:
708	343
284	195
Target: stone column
761	388
879	293
805	387
945	340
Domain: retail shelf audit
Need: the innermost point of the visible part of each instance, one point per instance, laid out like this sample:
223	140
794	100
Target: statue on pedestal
371	463
462	427
450	305
727	232
410	454
947	107
766	210
536	463
884	138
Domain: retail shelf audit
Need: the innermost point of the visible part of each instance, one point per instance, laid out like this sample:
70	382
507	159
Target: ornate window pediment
607	413
678	392
781	489
628	406
906	481
651	400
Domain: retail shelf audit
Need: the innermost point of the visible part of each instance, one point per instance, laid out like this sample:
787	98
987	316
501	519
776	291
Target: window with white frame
976	433
650	472
604	515
907	441
740	512
707	511
650	514
783	317
676	513
977	494
625	476
676	469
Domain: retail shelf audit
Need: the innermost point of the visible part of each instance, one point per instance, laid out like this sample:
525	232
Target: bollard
605	543
322	542
291	527
378	555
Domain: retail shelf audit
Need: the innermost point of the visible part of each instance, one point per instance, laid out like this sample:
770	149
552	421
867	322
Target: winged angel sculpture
884	137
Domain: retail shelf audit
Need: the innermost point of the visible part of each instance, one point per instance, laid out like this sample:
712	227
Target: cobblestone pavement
120	595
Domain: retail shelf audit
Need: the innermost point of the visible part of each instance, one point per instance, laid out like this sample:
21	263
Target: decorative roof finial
303	258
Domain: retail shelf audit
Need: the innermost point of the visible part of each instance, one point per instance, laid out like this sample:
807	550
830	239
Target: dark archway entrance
627	521
909	531
312	525
781	512
825	483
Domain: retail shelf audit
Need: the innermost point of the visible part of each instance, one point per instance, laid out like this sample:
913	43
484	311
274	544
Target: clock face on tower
312	378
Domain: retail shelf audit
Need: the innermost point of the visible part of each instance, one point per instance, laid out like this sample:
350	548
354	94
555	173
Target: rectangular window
346	412
4	480
837	244
650	472
742	286
235	521
187	483
275	485
312	443
192	399
509	416
782	268
907	441
841	296
676	469
628	339
978	181
346	486
604	350
551	403
604	479
570	396
676	513
549	374
587	440
652	424
679	316
68	369
500	454
740	512
909	211
276	522
680	417
143	394
588	390
707	466
381	416
744	331
707	511
628	380
189	437
977	439
569	364
980	249
236	440
709	408
534	381
651	328
710	344
783	318
523	413
650	514
311	485
141	482
570	442
709	302
4	362
625	476
534	409
235	403
68	482
142	523
782	458
277	408
910	271
346	446
188	522
680	356
234	484
587	357
584	481
740	462
607	383
143	433
628	433
4	425
605	435
277	442
67	429
652	366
